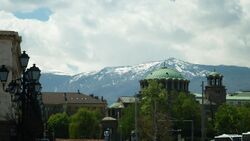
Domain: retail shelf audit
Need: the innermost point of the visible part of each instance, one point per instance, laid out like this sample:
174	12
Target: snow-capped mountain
112	82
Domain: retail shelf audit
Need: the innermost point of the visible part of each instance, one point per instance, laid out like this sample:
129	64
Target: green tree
171	109
59	123
227	119
184	109
85	124
244	123
154	118
126	122
232	119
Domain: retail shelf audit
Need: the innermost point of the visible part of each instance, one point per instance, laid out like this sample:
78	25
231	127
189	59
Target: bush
59	124
84	124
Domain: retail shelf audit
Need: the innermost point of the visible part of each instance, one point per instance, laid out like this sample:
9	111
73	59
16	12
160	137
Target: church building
171	80
215	91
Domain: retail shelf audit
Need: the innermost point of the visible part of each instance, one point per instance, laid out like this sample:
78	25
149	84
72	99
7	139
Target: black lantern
37	87
26	97
24	60
4	74
34	73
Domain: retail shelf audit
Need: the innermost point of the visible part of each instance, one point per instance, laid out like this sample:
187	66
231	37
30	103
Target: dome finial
164	64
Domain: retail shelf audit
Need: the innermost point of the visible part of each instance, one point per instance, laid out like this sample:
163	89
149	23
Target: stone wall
9	52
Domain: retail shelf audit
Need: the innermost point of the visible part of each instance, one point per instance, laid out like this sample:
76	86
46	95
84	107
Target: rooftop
116	105
126	99
75	98
214	74
236	96
165	73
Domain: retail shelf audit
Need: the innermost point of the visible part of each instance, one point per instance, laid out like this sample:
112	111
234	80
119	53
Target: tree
154	120
232	119
126	122
161	111
227	119
59	123
244	115
85	124
185	108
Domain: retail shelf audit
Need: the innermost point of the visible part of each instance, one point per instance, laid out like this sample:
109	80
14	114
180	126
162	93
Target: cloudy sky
73	36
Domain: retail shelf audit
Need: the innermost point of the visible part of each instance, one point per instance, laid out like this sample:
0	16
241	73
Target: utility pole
155	122
136	119
202	114
192	132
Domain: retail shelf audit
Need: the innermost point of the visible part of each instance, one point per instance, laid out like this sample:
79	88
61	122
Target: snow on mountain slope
112	82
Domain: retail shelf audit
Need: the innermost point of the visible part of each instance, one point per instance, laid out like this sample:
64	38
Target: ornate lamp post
26	99
4	74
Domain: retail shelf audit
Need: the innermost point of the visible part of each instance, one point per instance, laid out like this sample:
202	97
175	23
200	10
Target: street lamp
25	94
24	60
34	73
4	74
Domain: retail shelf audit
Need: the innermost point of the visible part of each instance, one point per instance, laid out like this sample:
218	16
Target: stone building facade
215	91
69	102
9	56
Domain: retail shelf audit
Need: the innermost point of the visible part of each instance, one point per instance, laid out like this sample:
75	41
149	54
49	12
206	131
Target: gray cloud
220	13
91	34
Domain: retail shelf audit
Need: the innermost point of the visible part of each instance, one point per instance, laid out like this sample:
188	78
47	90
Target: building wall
72	108
216	94
169	84
9	52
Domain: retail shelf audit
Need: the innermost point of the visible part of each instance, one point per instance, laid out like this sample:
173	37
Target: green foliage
185	107
58	123
232	119
226	119
84	124
172	108
154	92
154	105
126	122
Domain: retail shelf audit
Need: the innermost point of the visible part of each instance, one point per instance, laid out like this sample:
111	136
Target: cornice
10	35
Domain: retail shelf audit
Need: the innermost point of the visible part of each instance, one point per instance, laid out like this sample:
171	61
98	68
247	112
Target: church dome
165	73
214	74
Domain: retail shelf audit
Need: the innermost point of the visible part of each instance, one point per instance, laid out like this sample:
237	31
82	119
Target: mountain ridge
112	82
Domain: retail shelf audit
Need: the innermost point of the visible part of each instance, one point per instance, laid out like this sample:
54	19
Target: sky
73	36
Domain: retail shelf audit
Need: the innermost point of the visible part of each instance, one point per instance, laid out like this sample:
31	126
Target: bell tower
215	91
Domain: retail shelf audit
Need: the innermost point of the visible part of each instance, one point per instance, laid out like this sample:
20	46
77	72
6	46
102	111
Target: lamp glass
24	59
3	73
37	87
34	73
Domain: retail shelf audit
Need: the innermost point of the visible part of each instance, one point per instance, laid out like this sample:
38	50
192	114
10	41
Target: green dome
116	105
214	74
165	73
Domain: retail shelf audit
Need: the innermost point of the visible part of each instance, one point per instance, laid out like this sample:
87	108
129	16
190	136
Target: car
228	137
